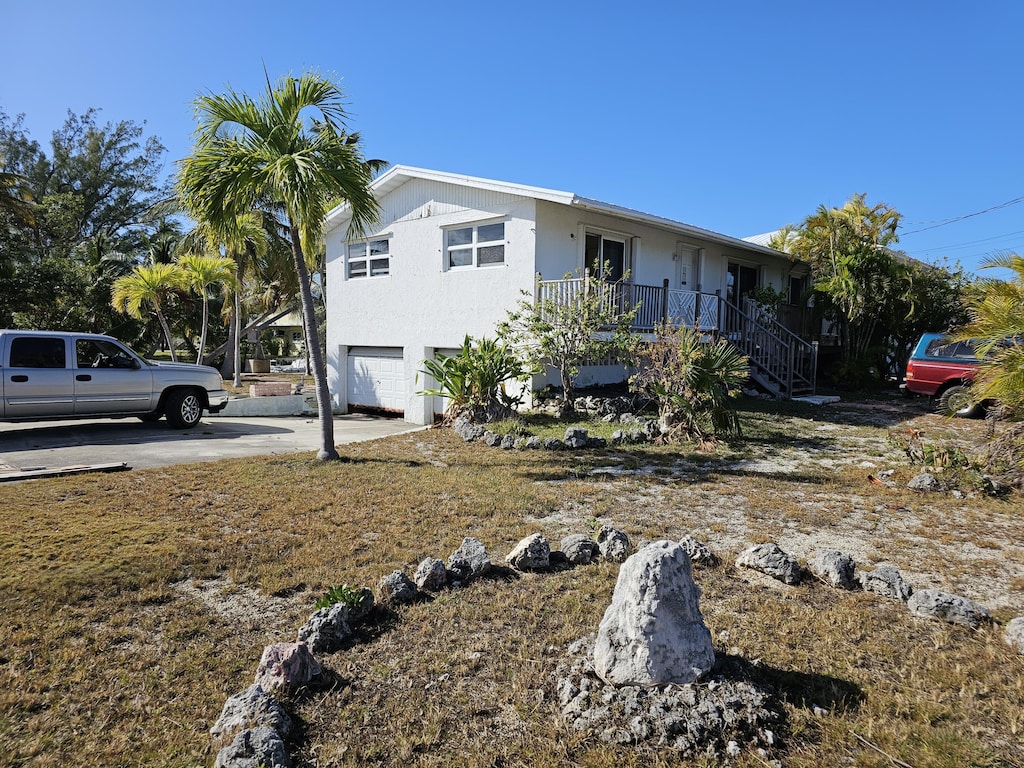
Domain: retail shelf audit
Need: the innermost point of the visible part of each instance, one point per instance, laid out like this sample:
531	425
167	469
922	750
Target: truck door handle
83	377
19	378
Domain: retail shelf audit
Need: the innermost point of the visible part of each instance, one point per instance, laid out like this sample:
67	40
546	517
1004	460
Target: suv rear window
963	350
37	352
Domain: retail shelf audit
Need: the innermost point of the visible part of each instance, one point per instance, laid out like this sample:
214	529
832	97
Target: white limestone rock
259	747
531	554
248	709
431	574
653	632
771	560
614	544
934	604
835	568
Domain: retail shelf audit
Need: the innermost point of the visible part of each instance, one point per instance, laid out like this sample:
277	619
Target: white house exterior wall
560	249
419	306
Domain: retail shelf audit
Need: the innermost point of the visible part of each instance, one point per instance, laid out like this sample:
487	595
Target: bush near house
692	381
474	380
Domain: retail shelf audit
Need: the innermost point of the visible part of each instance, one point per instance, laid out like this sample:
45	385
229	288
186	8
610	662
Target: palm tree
996	310
15	198
201	271
290	149
148	284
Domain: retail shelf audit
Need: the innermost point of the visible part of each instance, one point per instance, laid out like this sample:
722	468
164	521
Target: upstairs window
369	258
480	245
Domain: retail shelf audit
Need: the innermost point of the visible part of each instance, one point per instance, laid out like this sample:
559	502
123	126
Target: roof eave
673	225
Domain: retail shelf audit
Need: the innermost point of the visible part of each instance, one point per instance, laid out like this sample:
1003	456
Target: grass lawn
133	604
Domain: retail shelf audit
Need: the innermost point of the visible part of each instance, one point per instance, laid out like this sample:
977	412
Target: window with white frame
479	245
369	258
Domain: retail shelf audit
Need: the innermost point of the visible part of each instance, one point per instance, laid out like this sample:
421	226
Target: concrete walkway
56	444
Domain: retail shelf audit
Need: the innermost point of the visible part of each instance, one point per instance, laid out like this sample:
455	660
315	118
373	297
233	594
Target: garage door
376	378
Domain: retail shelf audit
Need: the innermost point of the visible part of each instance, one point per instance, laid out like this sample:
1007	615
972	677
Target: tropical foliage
878	299
149	288
288	153
474	380
200	273
74	217
996	309
693	382
564	334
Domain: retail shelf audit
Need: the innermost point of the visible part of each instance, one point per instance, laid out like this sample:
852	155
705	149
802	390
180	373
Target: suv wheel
184	409
958	401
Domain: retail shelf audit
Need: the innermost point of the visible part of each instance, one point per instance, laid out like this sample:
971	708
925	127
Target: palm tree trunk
206	321
167	333
236	352
323	397
226	369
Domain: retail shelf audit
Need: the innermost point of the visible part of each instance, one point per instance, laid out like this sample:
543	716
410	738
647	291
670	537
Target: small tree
474	380
549	331
692	382
200	271
153	286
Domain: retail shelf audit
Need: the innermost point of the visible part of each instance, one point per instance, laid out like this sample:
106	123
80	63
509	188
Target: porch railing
786	363
655	304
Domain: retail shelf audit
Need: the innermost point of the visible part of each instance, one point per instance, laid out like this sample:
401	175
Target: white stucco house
451	254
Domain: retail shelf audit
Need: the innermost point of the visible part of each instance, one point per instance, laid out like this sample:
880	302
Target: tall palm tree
289	149
148	285
200	272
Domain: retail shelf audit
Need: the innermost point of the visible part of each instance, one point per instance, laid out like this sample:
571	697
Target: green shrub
474	379
692	381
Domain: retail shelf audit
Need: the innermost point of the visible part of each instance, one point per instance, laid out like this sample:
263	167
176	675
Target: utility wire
966	216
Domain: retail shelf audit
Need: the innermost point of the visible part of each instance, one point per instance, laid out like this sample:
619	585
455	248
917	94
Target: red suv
942	368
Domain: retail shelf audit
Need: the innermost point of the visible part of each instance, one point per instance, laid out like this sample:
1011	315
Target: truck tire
957	400
184	408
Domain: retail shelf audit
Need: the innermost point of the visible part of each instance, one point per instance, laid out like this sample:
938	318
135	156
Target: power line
969	243
965	216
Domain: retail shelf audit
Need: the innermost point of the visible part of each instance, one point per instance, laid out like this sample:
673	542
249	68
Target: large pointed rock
653	632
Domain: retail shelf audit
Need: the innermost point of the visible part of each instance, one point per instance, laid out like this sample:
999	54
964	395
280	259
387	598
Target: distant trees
878	299
72	217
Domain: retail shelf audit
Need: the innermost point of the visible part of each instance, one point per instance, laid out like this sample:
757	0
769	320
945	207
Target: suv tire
957	401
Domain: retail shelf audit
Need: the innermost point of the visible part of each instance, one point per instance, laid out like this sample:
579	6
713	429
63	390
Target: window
98	353
478	246
37	352
606	256
369	258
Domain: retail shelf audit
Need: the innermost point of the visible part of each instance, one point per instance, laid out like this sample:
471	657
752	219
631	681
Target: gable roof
398	175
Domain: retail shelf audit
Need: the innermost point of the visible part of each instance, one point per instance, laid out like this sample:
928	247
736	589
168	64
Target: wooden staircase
780	361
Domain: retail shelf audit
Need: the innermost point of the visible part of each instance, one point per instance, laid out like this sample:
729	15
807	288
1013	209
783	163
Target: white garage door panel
376	378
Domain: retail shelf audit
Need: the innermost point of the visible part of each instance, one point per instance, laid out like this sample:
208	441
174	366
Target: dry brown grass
134	604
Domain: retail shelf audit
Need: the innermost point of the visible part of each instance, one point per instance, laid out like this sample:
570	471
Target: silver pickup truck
58	375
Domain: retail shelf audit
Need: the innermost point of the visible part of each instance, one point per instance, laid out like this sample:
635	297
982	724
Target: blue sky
734	116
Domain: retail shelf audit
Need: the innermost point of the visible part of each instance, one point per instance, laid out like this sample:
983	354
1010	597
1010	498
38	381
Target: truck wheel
958	401
184	409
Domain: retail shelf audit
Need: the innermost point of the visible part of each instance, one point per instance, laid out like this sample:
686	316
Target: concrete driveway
56	444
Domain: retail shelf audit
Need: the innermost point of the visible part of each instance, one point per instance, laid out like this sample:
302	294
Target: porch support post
664	302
